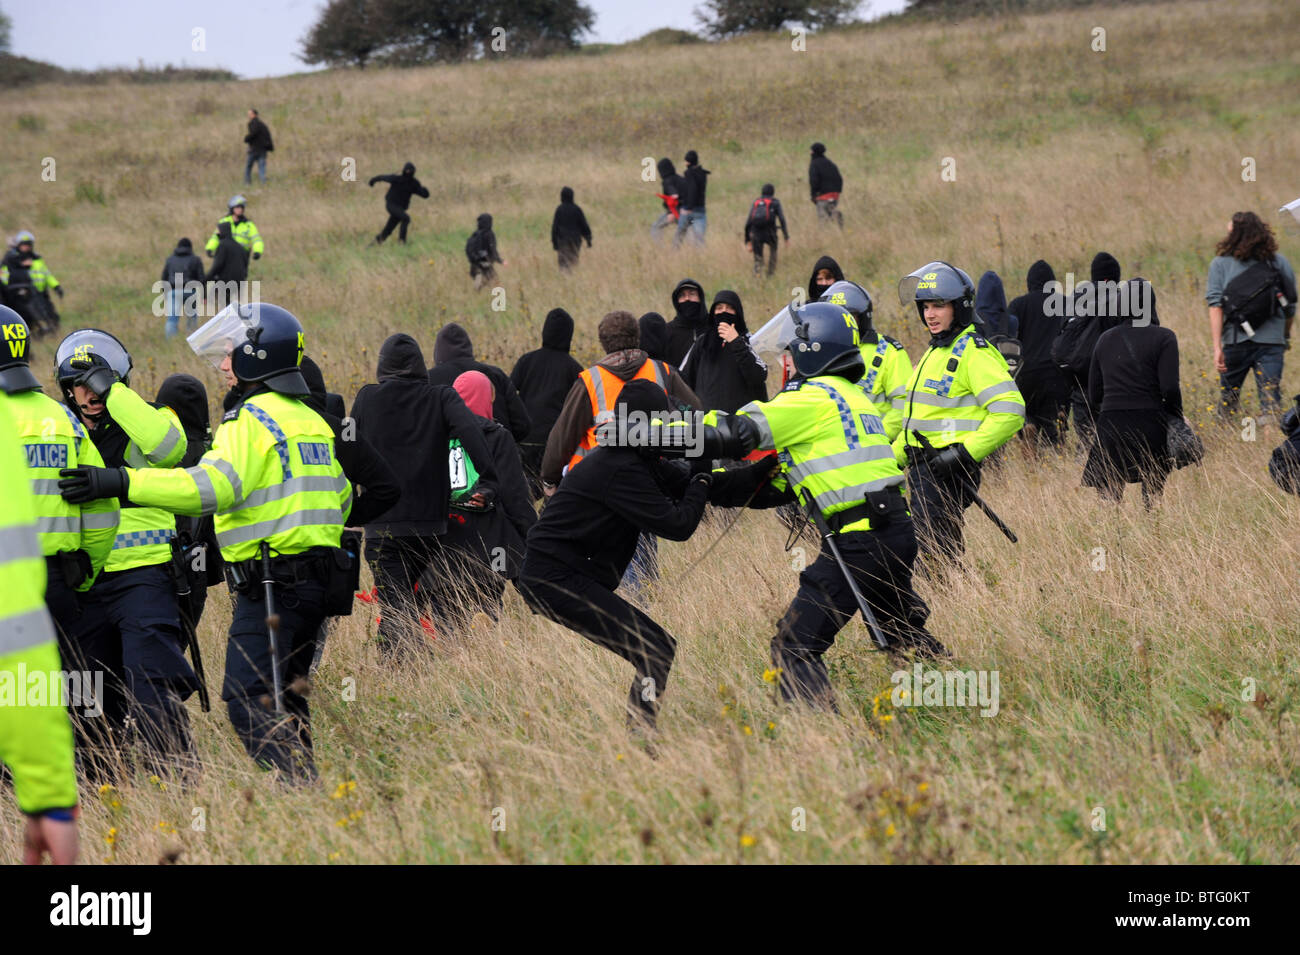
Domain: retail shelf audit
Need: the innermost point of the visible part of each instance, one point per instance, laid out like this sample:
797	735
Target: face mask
690	312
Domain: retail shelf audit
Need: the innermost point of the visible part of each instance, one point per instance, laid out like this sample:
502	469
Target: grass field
1126	643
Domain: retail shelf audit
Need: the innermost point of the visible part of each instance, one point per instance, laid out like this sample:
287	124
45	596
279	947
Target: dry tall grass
1121	688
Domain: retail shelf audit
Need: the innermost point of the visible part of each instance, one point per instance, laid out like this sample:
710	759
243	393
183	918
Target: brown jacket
575	417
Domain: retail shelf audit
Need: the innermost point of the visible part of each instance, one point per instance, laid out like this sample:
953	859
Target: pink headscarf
475	390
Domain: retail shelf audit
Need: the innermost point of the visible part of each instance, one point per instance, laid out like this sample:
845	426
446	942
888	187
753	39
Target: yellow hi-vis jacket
53	438
272	475
885	380
35	740
245	233
961	393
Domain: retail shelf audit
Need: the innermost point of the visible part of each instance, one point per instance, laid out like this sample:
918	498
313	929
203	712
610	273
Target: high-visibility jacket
54	438
272	475
603	388
155	440
885	380
43	279
830	441
35	740
961	392
243	232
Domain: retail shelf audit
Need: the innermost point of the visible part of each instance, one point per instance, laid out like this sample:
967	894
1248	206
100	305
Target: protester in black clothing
1094	311
1133	388
481	250
229	264
485	547
1284	463
671	184
695	183
259	144
183	273
722	368
688	320
410	423
654	335
568	230
542	378
824	274
401	186
825	185
1045	387
579	549
453	353
760	228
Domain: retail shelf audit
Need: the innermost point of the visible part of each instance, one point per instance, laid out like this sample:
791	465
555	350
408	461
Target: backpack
1249	299
1074	346
760	213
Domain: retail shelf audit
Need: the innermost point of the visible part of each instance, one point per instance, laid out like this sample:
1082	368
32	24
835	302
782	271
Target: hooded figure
481	250
1045	387
568	230
400	189
687	322
726	374
671	185
230	261
453	353
542	378
489	543
654	335
815	285
991	308
183	273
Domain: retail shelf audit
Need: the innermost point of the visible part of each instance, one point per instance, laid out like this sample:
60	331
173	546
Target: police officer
241	228
35	741
887	366
280	497
960	406
75	540
833	457
43	280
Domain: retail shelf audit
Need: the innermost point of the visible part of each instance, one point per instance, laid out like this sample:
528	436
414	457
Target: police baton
828	538
272	626
970	489
180	578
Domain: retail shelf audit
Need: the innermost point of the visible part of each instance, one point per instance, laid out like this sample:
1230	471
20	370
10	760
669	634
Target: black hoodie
230	261
569	227
825	262
727	375
481	247
991	312
543	377
401	186
409	422
687	322
671	182
1037	329
186	396
694	184
654	335
182	266
453	353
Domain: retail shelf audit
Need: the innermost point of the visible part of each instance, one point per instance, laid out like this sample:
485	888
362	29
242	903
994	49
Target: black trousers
1085	424
758	240
881	564
558	593
1047	401
568	256
1132	447
398	563
396	216
938	505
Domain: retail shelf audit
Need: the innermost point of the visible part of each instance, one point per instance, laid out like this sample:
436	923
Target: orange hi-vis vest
603	388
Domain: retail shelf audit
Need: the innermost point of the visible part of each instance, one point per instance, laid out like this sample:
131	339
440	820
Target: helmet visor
773	339
218	336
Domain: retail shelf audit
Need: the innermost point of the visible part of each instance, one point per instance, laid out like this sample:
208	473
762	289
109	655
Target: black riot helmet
15	342
825	341
270	348
854	299
940	282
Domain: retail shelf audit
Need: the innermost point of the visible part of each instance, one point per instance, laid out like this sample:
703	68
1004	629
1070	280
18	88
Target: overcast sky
253	38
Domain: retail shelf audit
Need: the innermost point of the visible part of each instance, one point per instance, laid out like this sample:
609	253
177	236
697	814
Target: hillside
1121	688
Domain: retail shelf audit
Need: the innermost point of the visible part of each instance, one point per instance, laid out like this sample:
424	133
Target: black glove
372	181
257	255
916	455
99	379
58	290
703	477
953	460
81	485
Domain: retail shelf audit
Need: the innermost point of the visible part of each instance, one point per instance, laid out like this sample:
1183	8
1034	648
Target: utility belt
338	568
881	507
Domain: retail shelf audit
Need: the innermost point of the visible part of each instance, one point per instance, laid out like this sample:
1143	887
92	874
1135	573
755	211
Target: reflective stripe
207	493
18	543
165	446
281	442
855	493
142	539
1010	407
928	426
265	530
598	380
228	470
30	629
77	428
992	391
100	520
841	459
298	485
938	401
660	380
760	422
45	486
135	457
58	525
347	504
